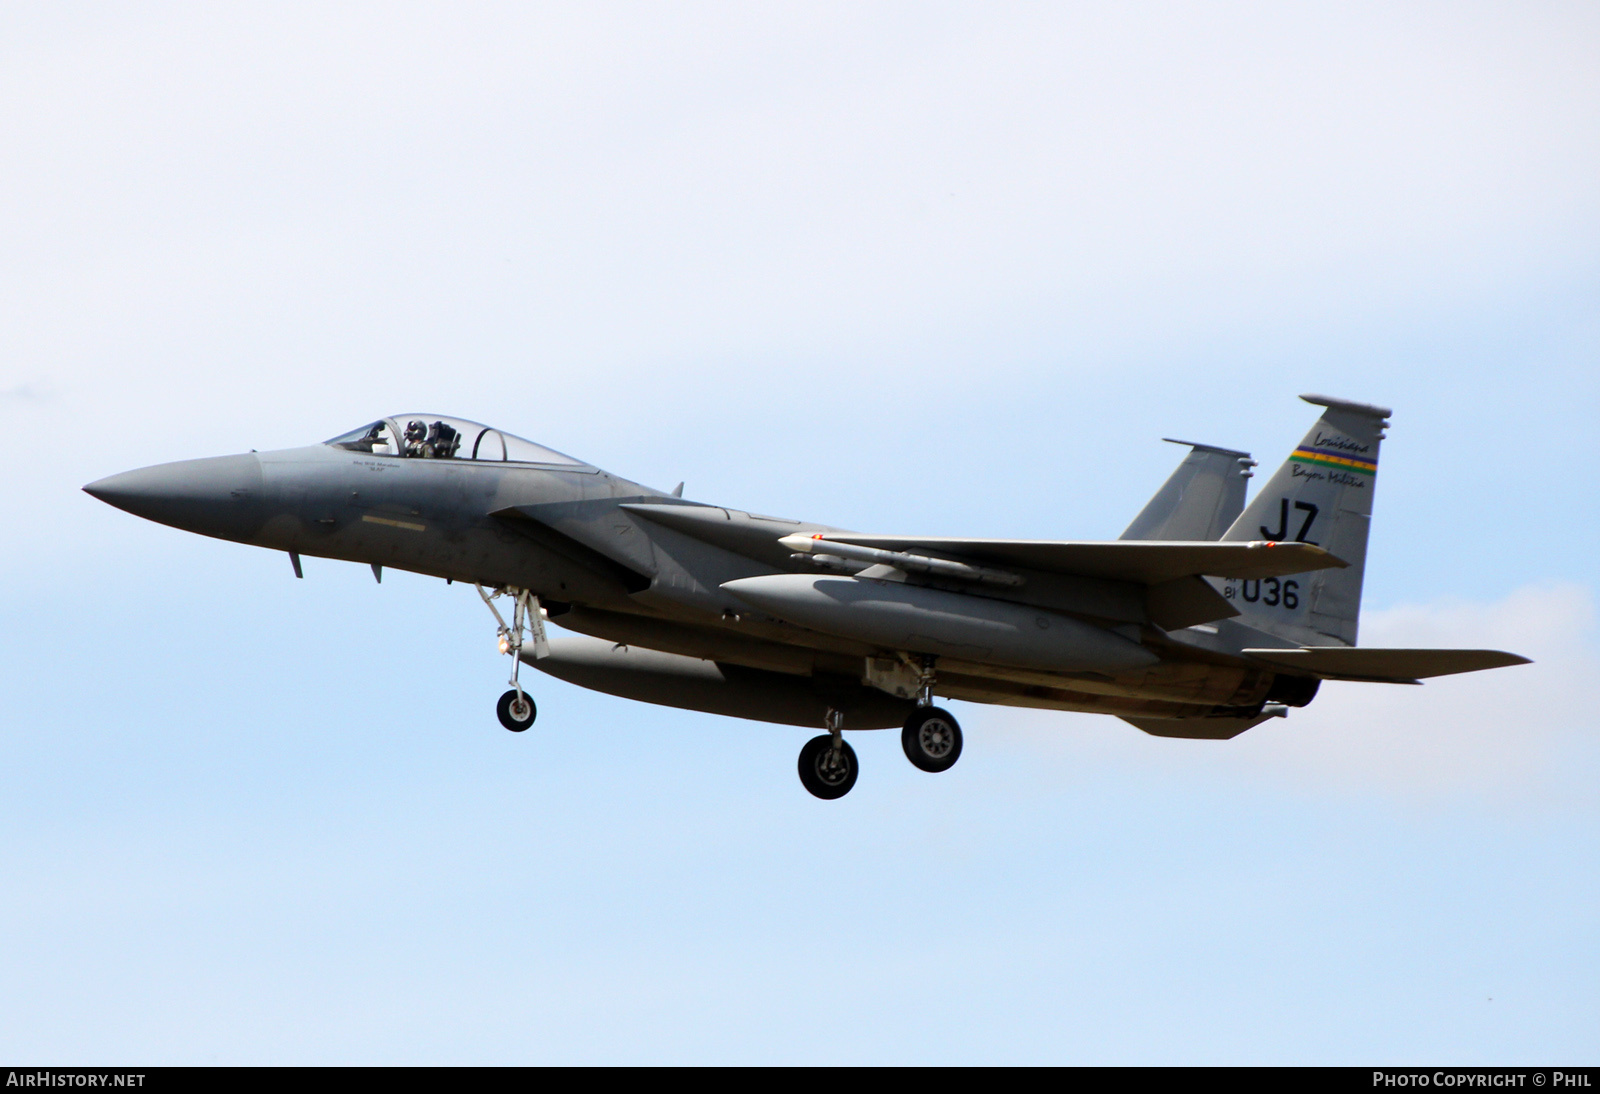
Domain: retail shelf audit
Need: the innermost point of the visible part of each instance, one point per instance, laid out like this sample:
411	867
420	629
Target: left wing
1170	571
1144	562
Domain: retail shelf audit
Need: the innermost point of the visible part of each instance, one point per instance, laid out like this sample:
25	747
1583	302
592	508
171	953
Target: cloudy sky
908	268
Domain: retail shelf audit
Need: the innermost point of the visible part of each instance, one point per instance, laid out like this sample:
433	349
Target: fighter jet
1206	618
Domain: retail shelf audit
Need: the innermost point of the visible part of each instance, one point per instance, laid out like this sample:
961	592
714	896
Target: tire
508	717
824	775
932	739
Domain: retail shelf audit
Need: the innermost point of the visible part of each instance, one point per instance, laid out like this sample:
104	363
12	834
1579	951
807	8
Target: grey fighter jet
1206	618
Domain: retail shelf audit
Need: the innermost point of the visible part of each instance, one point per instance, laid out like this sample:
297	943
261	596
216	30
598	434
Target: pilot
442	441
416	434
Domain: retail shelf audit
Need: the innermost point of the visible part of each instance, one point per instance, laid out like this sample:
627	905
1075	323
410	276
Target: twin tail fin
1321	495
1200	499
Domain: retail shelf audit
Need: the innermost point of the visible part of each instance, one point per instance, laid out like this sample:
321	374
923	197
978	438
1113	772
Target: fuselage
566	533
1207	616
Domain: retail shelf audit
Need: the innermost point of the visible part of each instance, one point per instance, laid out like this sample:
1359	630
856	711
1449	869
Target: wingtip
1327	558
1333	560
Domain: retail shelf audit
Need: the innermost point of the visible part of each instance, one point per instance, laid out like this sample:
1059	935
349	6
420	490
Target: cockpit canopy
434	437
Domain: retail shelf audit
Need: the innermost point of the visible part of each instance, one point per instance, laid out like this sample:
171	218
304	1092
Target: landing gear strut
932	737
516	709
828	765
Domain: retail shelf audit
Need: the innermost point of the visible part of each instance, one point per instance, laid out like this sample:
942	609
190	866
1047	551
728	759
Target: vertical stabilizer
1200	499
1322	495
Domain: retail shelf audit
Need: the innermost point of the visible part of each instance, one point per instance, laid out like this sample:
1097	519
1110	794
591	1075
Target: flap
1148	563
1384	666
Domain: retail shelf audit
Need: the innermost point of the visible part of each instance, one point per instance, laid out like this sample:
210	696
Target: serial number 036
1269	591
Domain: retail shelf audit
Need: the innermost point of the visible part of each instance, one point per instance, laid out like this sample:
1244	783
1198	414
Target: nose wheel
516	710
932	739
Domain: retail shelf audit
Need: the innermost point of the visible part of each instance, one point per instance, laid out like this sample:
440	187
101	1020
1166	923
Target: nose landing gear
516	708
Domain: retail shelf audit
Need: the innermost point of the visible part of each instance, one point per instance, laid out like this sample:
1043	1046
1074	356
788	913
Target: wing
1170	571
1144	562
1384	666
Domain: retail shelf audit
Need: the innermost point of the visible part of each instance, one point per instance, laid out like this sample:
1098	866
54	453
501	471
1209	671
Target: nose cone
215	497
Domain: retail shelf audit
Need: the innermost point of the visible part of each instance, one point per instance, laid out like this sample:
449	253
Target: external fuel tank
673	680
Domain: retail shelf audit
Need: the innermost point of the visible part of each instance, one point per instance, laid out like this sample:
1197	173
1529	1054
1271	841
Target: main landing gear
932	737
828	765
931	740
516	708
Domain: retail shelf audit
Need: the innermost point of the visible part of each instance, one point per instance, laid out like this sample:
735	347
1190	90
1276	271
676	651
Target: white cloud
1508	730
1528	734
26	393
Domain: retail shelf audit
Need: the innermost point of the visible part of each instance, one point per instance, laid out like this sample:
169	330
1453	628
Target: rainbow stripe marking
1328	457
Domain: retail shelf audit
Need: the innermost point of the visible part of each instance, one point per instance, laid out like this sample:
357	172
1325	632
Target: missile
835	563
900	560
916	619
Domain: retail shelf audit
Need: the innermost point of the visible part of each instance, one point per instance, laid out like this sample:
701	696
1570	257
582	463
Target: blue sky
924	268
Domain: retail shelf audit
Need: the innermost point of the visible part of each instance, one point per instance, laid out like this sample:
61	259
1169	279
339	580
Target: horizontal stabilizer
1384	666
1148	563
